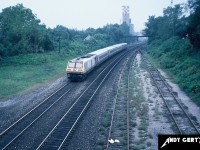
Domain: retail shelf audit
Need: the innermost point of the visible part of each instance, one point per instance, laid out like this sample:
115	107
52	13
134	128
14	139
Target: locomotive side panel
90	64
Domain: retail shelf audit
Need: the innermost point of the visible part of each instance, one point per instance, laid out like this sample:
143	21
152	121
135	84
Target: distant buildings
126	19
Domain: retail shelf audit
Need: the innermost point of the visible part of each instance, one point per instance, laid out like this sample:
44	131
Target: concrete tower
126	19
125	15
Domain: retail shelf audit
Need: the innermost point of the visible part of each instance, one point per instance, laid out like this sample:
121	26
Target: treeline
176	22
21	32
174	43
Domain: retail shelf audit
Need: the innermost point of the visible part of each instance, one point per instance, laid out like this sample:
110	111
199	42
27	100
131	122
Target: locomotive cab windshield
75	65
79	65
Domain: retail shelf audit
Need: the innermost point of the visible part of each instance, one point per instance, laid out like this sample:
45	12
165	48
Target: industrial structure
126	19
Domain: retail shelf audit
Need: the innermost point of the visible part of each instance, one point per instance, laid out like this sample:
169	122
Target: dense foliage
175	44
21	32
174	22
194	23
73	41
178	58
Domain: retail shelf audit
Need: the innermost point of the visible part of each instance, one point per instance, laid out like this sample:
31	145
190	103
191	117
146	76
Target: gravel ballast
89	134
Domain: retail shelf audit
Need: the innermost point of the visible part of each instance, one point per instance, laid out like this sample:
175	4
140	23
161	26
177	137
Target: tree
21	32
172	23
194	23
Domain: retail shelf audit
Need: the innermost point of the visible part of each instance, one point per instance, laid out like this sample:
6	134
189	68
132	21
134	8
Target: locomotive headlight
68	69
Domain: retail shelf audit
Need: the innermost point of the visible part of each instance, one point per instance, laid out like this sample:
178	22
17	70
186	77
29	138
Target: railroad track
61	134
13	136
118	137
9	135
183	121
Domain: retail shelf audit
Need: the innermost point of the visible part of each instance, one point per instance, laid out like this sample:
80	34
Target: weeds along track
118	137
183	121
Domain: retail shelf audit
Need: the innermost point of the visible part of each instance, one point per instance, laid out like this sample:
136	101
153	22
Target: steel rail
114	104
35	120
19	121
90	101
128	121
32	110
174	97
128	104
166	103
72	106
179	104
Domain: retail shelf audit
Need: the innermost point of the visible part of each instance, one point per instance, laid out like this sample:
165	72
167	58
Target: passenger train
78	68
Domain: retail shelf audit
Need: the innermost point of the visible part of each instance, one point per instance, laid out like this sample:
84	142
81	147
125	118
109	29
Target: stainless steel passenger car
78	68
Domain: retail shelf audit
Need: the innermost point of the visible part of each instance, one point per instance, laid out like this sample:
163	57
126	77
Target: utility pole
59	42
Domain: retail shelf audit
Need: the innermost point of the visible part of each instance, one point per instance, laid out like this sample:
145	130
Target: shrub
181	61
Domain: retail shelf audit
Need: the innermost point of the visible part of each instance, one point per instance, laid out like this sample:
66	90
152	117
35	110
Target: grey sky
81	14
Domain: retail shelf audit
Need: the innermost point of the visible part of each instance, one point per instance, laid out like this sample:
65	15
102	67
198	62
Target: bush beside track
180	61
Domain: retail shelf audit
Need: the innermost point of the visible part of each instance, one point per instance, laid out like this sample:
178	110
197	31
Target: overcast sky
81	14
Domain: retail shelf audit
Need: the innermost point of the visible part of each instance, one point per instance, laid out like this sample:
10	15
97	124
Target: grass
27	71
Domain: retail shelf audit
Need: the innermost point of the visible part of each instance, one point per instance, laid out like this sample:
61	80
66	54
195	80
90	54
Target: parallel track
115	131
9	138
9	135
61	134
181	118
